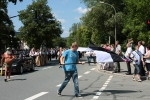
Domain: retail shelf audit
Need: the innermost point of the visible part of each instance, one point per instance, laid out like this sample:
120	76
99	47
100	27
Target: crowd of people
43	56
137	55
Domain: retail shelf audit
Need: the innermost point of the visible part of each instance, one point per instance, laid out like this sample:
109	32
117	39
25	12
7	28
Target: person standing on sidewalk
147	60
70	56
142	50
7	59
137	57
127	55
118	51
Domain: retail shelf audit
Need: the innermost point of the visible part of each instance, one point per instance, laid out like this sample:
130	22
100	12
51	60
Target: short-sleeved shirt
118	49
137	55
142	49
129	51
70	57
88	53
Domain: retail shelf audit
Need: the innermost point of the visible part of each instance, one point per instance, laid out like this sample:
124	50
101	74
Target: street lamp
114	17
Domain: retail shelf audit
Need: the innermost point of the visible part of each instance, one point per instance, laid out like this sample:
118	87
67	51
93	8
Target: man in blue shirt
70	70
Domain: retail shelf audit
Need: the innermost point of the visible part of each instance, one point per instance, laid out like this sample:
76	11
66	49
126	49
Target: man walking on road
7	59
70	56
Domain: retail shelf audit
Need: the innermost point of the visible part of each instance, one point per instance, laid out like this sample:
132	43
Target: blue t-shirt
70	57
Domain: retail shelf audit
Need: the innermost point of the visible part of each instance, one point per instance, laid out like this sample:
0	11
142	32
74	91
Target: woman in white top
147	57
127	55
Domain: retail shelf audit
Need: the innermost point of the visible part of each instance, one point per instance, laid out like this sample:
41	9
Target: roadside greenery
40	27
6	28
99	23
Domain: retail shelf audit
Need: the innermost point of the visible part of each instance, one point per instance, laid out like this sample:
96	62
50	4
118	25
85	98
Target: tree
137	12
13	1
6	27
40	26
60	42
101	18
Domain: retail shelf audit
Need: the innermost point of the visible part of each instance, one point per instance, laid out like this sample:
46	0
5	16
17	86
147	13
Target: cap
8	48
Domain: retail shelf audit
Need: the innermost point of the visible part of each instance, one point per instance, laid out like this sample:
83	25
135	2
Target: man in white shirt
118	51
88	54
142	50
93	55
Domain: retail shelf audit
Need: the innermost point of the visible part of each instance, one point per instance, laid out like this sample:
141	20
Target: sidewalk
122	72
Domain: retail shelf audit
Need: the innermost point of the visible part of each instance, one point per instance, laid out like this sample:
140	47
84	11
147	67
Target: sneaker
78	96
8	79
5	80
59	94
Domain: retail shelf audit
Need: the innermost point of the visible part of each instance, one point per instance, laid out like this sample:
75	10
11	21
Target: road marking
46	68
87	72
106	83
79	76
58	85
36	96
102	89
93	69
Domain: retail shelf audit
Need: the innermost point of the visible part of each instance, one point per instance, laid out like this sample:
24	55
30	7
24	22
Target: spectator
117	51
127	55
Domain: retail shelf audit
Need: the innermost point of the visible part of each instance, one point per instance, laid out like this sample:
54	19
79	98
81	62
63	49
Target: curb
108	72
104	71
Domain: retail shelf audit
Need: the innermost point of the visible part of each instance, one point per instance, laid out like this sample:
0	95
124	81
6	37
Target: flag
103	55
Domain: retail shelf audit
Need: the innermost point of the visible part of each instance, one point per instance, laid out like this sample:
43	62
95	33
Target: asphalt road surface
43	83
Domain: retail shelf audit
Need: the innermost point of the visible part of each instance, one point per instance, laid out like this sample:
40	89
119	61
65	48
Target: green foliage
60	42
6	27
40	30
137	12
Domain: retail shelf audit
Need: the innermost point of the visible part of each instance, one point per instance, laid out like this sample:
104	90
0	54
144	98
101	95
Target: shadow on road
18	79
118	91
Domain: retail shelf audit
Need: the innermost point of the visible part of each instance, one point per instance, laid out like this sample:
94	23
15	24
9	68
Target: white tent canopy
84	49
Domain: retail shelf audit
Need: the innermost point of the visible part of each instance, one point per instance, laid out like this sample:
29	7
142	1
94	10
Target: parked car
21	64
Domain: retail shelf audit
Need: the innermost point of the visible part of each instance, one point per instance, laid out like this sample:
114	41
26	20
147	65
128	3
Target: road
43	83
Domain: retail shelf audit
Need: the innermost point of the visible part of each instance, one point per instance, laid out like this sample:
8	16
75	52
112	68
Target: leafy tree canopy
40	26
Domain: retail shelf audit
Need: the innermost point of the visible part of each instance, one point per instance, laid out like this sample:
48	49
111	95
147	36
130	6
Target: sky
66	11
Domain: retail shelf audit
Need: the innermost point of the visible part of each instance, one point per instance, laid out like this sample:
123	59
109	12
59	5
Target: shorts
148	66
7	65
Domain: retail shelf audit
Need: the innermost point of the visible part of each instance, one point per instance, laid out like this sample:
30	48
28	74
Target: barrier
1	71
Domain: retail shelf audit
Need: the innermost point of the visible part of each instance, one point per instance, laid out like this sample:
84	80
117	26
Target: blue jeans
137	69
68	75
89	59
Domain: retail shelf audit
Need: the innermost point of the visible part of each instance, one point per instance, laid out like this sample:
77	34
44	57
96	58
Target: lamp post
114	17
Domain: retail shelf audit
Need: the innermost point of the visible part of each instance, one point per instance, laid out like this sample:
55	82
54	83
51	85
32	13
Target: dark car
21	64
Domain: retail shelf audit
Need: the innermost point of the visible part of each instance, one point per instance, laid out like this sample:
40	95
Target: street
43	83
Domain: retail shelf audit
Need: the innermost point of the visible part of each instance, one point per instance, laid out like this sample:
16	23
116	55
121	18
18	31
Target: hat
8	48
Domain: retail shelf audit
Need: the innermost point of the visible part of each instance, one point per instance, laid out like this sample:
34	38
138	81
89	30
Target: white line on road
103	88
79	76
46	68
87	72
58	85
93	69
36	96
